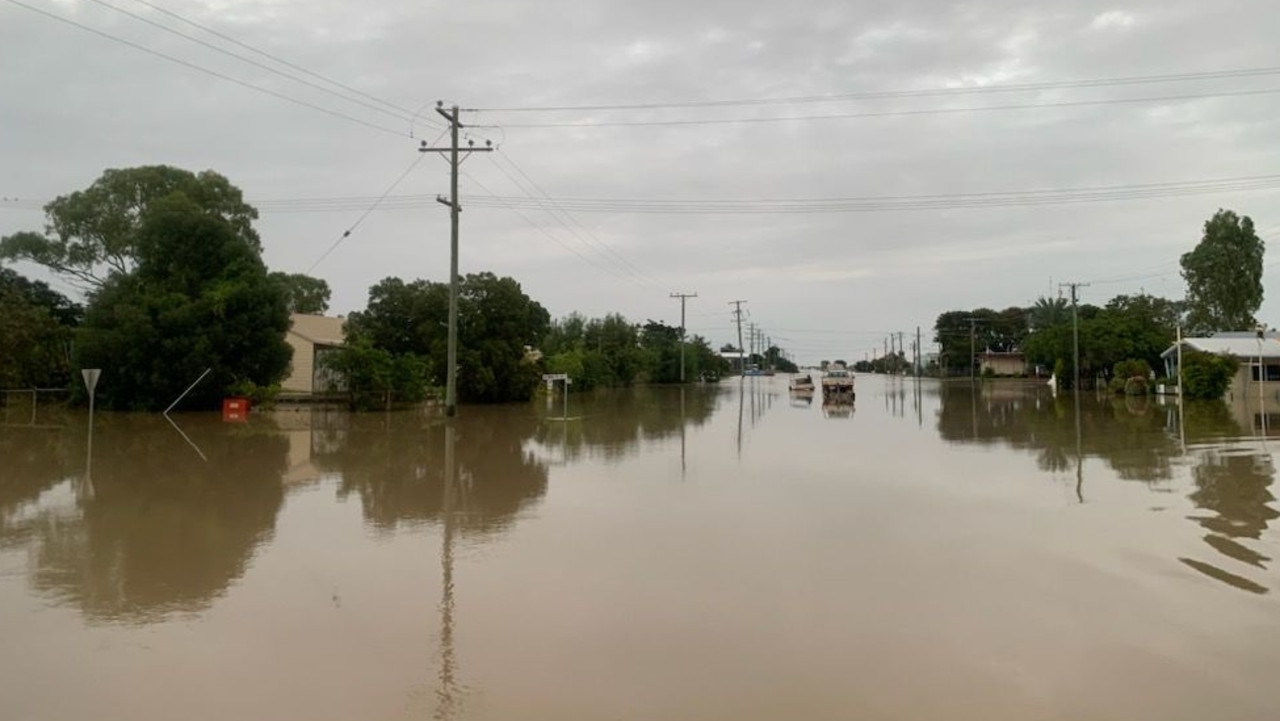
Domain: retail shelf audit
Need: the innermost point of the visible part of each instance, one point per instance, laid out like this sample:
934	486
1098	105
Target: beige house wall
308	334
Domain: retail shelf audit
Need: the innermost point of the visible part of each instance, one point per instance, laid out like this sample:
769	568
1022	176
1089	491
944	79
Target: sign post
550	379
90	376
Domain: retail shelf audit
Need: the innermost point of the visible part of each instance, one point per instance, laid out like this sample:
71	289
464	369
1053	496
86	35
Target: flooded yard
730	551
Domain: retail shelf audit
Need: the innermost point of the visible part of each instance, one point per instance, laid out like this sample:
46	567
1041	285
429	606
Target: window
1272	372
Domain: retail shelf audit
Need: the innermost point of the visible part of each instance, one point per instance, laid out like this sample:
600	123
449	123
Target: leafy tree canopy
198	298
36	324
303	293
93	233
1224	275
496	321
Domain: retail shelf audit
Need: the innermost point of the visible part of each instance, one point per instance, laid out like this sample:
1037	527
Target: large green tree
303	293
199	298
36	324
962	334
92	234
496	322
1224	275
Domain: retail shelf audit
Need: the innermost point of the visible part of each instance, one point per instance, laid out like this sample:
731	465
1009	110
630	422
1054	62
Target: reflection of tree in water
1139	441
615	422
1131	437
34	460
162	530
395	464
1235	487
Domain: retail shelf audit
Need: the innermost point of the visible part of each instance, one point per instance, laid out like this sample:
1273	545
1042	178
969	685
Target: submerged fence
32	406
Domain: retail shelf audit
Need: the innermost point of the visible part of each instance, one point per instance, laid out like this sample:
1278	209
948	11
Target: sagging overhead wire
207	71
575	223
588	124
347	233
274	58
851	204
250	61
891	94
545	232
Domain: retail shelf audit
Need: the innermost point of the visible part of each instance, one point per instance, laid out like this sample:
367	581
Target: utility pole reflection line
446	695
1079	453
682	434
741	389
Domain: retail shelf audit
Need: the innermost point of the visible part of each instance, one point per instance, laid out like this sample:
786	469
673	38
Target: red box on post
235	410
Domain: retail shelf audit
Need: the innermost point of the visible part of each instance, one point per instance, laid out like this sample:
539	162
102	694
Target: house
1259	359
1010	363
311	336
1254	392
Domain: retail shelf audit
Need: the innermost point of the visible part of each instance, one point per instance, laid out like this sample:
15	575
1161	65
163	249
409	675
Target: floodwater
723	552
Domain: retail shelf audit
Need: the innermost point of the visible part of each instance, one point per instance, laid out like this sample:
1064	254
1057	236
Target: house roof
318	329
1237	345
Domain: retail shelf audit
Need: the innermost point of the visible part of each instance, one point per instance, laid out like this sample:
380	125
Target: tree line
1126	336
174	283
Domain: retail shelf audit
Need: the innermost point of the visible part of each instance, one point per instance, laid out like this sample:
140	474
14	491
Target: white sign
549	377
90	378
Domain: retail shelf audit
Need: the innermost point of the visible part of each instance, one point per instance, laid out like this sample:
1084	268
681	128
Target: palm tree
1048	312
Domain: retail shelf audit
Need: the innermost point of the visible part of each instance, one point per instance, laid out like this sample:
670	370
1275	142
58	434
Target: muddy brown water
721	552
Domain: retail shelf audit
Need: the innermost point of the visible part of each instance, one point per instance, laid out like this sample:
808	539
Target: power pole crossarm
455	208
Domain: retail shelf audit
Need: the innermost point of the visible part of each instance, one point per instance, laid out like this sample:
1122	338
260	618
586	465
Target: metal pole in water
191	387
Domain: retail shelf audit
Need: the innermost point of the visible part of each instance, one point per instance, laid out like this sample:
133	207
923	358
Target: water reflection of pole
682	439
446	696
1079	452
741	390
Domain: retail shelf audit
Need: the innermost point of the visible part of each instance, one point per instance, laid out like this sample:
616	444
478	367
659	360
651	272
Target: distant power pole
973	350
683	297
1075	332
455	209
737	315
919	354
902	354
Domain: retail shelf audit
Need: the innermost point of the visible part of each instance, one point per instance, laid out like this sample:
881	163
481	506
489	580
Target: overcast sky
823	284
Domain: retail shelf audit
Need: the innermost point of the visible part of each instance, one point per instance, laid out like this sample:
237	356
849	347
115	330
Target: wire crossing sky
842	165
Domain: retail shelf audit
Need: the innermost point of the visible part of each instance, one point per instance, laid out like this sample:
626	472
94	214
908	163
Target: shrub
1206	375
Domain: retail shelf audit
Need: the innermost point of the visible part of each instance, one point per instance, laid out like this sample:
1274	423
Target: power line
347	233
250	61
282	61
892	113
587	240
545	232
207	71
575	221
888	94
820	205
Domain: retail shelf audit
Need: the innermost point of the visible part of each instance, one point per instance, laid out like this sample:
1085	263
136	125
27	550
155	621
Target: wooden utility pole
455	209
973	350
683	297
1075	333
737	314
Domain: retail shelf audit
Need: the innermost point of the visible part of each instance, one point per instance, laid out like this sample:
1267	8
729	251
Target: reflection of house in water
310	430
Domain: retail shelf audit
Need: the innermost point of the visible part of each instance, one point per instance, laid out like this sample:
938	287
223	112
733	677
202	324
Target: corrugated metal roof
1238	346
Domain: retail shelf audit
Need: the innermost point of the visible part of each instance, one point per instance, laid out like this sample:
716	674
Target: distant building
1011	363
311	336
1259	359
